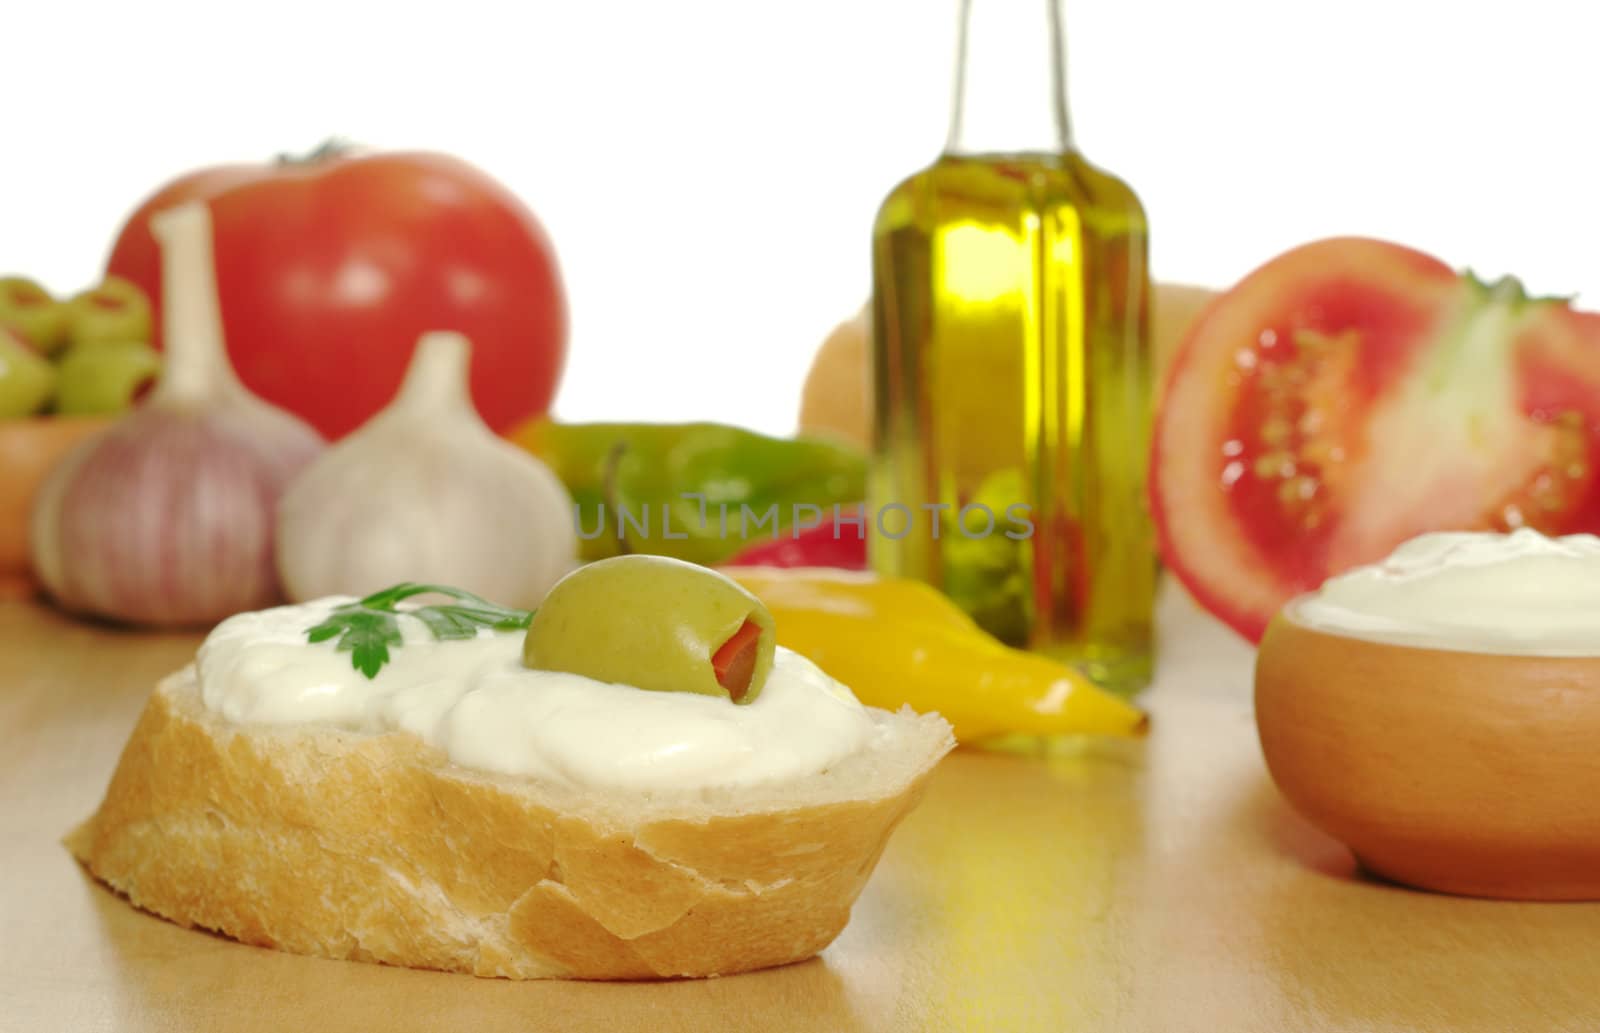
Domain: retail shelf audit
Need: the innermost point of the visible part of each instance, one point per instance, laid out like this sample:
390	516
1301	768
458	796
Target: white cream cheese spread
1519	593
474	699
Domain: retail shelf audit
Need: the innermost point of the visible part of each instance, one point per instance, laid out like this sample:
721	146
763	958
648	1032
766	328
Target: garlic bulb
167	517
425	491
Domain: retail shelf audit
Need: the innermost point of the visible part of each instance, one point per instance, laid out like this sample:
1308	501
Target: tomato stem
331	149
1509	290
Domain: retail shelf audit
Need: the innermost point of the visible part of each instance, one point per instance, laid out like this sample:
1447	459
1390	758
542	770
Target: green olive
27	379
116	310
105	378
655	623
29	309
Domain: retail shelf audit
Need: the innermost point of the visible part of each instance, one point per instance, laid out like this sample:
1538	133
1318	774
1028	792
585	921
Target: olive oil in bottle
1010	312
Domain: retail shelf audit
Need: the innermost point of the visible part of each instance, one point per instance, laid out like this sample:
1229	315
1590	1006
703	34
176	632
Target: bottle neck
1010	86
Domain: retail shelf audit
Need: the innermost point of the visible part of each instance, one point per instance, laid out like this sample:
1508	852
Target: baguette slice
376	847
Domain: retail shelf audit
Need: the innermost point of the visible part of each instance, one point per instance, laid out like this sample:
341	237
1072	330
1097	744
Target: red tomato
1352	394
329	269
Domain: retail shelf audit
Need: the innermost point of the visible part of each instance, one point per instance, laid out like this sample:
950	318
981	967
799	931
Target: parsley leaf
365	634
368	628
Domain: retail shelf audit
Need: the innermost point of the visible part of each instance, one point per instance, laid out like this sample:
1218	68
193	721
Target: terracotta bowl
28	449
1467	773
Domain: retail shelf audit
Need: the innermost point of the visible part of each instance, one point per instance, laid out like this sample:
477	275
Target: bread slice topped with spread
634	782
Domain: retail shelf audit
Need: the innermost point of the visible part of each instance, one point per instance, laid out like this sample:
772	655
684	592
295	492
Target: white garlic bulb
425	491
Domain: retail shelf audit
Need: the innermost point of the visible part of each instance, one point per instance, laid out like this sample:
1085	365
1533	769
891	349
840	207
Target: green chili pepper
693	491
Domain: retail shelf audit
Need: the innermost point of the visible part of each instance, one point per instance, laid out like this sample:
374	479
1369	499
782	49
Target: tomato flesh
1561	494
1302	388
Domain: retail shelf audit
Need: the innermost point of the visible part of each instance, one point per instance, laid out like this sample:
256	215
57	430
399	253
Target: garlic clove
167	517
425	491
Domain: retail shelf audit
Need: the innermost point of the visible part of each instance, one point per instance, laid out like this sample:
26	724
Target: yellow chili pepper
895	641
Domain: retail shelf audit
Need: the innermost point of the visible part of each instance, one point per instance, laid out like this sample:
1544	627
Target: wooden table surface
1158	886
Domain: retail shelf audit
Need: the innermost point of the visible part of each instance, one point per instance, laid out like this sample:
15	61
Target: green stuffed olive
655	623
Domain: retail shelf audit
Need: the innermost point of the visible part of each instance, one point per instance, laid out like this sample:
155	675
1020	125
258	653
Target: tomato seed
1276	431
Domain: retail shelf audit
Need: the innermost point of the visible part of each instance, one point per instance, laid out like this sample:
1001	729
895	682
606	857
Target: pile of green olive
89	355
655	623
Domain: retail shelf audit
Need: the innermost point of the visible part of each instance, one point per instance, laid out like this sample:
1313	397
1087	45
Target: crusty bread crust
377	848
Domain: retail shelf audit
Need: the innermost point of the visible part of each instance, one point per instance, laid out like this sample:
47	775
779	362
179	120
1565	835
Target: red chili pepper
842	544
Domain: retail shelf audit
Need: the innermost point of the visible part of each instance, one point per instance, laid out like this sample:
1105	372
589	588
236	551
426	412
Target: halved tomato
1351	394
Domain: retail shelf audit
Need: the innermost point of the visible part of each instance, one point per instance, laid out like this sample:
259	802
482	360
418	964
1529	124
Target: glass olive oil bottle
1010	314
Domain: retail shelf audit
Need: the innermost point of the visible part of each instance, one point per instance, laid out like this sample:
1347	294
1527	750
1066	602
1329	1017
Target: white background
709	170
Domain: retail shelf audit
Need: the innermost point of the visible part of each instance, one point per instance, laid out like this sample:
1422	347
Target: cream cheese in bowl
476	700
1437	713
1520	594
